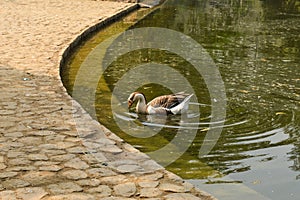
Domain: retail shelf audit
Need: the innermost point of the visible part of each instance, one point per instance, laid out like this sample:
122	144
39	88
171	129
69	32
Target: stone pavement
41	155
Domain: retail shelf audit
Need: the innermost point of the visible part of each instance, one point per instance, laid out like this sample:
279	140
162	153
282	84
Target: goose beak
129	103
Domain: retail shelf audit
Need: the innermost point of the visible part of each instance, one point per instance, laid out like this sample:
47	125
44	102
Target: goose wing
168	101
158	110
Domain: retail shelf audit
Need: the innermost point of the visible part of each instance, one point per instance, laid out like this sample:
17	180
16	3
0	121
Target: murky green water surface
256	46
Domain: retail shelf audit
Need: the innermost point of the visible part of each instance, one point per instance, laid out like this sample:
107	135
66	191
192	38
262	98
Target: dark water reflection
256	46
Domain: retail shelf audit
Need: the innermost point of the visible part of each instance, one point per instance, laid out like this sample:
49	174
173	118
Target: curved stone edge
171	188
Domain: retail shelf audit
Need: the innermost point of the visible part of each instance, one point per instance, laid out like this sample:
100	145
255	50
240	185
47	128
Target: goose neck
141	103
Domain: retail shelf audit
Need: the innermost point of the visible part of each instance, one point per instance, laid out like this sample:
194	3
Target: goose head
131	99
136	96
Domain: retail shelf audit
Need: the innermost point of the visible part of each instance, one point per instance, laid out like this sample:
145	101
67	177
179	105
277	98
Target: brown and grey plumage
166	104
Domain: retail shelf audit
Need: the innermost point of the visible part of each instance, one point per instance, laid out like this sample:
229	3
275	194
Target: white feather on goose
167	104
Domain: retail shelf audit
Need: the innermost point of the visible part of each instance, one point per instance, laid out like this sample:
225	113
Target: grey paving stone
31	193
42	133
150	192
64	188
63	157
30	141
89	182
148	184
78	150
22	168
188	186
101	172
151	166
53	152
181	196
14	183
39	178
45	163
152	177
111	149
50	168
76	163
101	190
123	162
4	175
65	145
19	161
125	189
37	157
94	158
113	180
129	168
74	174
14	135
168	187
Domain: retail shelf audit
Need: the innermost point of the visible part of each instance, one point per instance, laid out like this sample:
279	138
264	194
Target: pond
253	69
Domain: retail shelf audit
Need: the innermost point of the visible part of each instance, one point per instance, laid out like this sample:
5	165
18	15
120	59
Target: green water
256	47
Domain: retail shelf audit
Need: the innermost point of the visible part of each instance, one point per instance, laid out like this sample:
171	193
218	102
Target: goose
167	104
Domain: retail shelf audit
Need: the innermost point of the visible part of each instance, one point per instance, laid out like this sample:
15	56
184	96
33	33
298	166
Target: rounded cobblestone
101	191
64	188
74	174
39	178
125	189
150	192
31	193
76	163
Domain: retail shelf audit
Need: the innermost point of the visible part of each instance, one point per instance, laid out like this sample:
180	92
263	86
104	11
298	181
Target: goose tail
182	107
